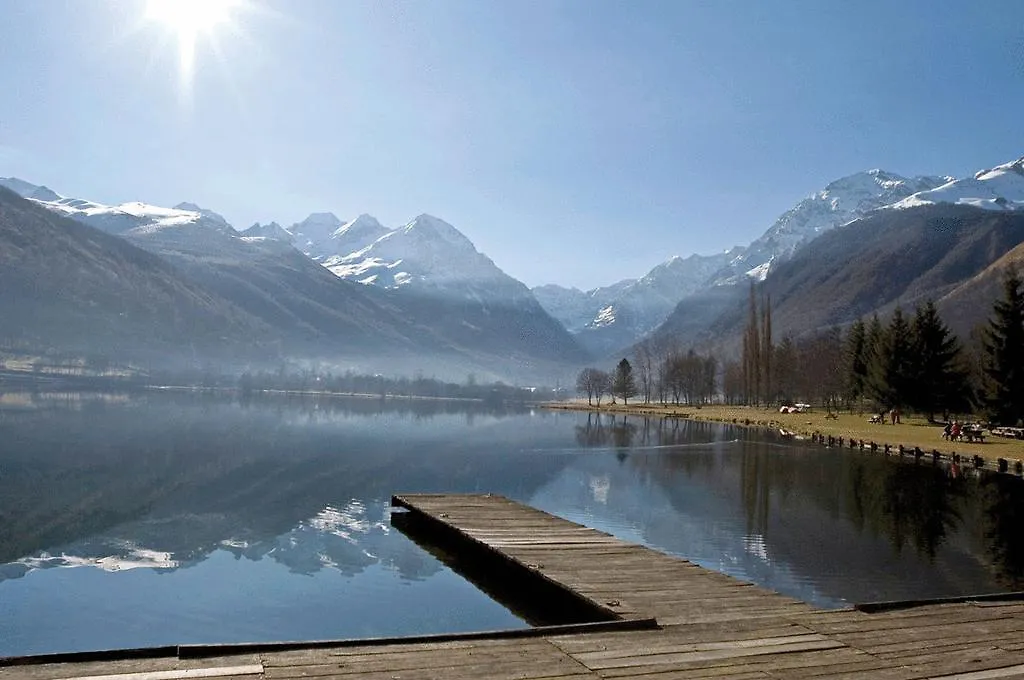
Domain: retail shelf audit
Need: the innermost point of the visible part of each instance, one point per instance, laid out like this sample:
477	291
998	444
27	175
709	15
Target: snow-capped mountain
840	202
272	230
322	236
119	219
427	254
313	235
1001	188
355	235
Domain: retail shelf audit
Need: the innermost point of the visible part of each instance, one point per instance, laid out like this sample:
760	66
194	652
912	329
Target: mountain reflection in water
268	517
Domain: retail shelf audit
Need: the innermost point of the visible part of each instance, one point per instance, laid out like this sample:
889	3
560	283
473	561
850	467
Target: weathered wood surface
713	626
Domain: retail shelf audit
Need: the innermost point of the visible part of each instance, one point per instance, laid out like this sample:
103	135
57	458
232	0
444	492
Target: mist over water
164	518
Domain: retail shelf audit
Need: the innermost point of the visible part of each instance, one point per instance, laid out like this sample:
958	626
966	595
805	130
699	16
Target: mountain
1001	188
322	236
272	230
607	319
426	254
313	235
489	325
68	286
449	283
970	302
892	257
840	202
355	235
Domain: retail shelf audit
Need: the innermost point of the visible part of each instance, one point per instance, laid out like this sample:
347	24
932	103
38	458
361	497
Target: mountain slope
893	257
68	286
840	202
970	302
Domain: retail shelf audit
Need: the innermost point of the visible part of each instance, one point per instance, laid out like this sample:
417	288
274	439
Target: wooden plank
181	674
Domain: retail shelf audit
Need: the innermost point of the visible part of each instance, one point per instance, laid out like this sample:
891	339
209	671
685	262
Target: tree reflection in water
911	506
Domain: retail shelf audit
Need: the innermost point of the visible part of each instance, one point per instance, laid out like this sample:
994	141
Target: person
947	430
954	432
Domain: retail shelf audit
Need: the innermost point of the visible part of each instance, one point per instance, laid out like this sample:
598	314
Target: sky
575	142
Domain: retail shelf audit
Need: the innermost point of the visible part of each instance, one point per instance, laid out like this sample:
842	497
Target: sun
189	19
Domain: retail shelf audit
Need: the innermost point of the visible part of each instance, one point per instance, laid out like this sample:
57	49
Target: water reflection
276	491
829	526
164	481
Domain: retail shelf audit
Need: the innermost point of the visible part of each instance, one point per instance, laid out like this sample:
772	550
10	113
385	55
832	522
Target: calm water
169	518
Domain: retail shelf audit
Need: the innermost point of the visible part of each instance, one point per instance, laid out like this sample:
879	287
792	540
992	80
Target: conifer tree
623	382
891	370
941	380
1004	354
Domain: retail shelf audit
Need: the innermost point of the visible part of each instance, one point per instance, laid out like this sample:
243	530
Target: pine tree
623	382
941	381
891	366
1004	354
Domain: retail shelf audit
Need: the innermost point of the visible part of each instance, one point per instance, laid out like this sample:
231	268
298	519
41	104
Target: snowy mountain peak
209	214
1000	188
313	234
19	186
273	231
322	219
364	224
841	201
1016	166
428	226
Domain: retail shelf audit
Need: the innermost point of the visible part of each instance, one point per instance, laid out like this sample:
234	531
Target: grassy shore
913	431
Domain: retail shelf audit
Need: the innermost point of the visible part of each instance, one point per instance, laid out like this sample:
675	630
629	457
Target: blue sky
575	142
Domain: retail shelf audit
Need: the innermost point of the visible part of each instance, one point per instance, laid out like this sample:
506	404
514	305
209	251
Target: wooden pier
651	616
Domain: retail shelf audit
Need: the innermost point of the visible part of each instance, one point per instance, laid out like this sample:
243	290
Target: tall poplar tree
855	367
767	349
752	352
1004	354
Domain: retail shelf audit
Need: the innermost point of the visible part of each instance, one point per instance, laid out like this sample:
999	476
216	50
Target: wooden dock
708	625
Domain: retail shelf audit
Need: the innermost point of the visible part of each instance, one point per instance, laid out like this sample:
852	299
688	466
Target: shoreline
816	426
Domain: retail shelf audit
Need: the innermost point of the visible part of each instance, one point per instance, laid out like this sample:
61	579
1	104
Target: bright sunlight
188	19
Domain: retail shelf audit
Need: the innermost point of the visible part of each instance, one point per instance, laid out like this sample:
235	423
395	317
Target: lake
165	518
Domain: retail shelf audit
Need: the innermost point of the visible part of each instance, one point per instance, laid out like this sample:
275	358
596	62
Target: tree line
906	362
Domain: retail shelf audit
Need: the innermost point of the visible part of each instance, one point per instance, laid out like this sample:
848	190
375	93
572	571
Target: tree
623	382
594	383
752	352
786	370
891	371
766	349
941	380
1004	354
855	367
603	385
586	383
644	356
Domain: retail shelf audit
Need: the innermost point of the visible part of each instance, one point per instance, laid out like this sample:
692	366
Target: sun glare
189	19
